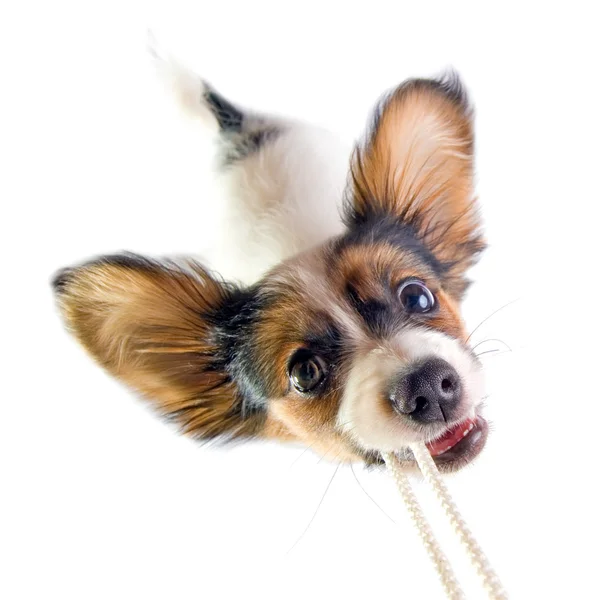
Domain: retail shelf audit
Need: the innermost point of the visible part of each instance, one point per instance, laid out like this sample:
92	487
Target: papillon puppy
331	314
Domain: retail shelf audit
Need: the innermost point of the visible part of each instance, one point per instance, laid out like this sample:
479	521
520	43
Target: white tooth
466	433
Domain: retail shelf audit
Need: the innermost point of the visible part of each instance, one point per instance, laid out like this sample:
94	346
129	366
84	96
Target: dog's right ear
415	168
160	327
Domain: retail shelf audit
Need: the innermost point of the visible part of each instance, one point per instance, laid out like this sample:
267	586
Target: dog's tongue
451	437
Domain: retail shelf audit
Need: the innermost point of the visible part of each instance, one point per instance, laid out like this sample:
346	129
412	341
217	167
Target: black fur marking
61	279
230	118
239	354
234	337
395	232
377	315
231	322
327	342
128	260
451	85
247	143
244	136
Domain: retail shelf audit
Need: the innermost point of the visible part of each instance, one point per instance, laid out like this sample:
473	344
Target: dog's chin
455	448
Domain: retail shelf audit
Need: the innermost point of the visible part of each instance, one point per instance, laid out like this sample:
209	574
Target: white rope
491	582
441	563
431	474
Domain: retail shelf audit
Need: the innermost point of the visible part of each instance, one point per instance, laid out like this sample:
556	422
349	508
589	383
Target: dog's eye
416	297
307	371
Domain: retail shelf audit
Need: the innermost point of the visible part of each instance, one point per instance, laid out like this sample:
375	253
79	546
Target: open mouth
460	444
457	446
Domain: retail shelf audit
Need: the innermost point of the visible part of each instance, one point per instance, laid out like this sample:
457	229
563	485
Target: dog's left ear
416	167
169	330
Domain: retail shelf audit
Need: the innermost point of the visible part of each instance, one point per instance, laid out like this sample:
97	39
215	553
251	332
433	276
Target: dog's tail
242	131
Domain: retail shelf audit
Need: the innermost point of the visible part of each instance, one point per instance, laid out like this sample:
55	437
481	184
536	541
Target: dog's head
353	348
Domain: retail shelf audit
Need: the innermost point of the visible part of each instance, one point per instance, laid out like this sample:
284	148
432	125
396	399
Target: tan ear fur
152	325
416	166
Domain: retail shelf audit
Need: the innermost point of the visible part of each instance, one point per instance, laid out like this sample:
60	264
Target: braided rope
491	582
441	563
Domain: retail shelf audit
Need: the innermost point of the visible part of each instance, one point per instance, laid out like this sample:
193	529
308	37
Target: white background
98	499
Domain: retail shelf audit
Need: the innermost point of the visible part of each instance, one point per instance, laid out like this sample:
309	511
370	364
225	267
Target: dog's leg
284	180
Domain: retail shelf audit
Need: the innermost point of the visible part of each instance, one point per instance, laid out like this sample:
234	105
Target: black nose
431	392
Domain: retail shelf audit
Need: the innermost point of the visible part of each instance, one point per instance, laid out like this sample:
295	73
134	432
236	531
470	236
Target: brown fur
307	289
146	323
300	313
155	325
418	166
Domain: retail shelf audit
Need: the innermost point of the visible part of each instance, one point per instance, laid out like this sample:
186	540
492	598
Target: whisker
488	352
492	340
369	495
491	315
301	455
316	511
326	454
497	351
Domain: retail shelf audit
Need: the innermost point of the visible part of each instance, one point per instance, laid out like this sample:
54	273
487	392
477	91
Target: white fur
282	199
364	412
185	85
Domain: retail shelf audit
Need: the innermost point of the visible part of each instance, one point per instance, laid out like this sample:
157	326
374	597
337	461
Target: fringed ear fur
416	166
155	326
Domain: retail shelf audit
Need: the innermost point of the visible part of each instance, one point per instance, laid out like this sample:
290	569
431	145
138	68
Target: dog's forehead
307	293
353	258
394	243
351	284
324	283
